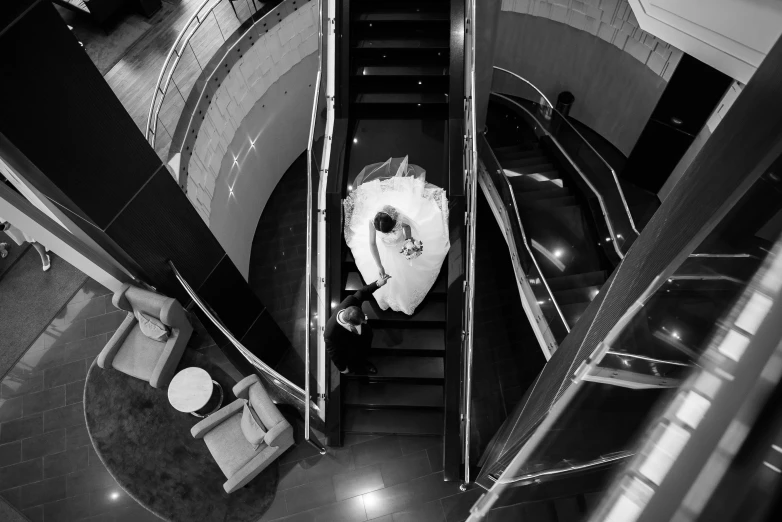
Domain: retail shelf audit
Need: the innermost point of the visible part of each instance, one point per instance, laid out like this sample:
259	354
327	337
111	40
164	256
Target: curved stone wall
224	156
610	20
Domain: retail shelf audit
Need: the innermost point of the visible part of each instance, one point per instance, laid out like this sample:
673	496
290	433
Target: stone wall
271	56
610	20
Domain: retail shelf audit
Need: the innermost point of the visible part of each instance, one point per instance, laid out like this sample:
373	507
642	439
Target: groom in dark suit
347	334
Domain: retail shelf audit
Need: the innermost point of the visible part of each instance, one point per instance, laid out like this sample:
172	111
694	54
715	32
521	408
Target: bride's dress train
422	206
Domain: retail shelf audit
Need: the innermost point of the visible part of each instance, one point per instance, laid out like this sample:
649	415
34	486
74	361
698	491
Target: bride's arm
373	249
407	231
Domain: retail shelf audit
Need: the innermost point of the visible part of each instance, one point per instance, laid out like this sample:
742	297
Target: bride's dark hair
384	222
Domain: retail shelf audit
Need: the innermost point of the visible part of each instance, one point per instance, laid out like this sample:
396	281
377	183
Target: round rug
146	446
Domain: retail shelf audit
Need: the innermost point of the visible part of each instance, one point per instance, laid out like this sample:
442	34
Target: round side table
193	391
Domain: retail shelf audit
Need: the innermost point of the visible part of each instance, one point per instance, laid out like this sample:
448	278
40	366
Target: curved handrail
526	243
602	461
602	159
308	267
152	118
599	196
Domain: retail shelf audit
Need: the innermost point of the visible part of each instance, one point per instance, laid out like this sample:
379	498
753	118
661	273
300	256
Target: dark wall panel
59	111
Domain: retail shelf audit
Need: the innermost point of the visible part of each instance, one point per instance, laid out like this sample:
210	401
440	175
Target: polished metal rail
526	243
160	90
471	150
262	367
645	358
602	159
576	168
602	461
308	269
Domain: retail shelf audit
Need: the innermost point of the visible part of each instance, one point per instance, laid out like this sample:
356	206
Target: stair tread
402	70
582	294
409	338
386	394
355	282
583	279
526	183
548	193
401	97
533	164
391	421
403	14
401	42
389	366
573	311
433	311
551	202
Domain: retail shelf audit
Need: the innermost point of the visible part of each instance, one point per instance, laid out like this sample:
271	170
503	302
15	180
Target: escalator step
390	394
430	313
586	279
391	421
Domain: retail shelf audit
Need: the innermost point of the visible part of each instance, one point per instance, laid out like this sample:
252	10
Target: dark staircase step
402	43
421	370
527	183
404	105
573	312
402	70
568	509
354	283
400	56
417	339
596	278
393	421
584	294
428	314
499	151
393	394
529	165
389	27
547	203
536	195
404	83
518	153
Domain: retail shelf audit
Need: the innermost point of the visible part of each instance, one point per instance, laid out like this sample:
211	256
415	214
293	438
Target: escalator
398	88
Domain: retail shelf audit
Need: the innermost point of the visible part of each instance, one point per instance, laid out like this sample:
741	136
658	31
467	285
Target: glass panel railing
278	387
615	223
211	30
470	162
318	153
692	327
548	319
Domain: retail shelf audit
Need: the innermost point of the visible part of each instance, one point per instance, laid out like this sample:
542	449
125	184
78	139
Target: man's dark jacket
341	344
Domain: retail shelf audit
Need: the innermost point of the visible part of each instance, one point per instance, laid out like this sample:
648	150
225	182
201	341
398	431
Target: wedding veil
392	167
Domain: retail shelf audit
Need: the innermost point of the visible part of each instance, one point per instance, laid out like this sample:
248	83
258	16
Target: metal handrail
526	243
152	118
251	358
472	174
602	461
308	269
608	165
577	169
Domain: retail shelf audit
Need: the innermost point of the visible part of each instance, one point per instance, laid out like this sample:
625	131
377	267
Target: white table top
190	390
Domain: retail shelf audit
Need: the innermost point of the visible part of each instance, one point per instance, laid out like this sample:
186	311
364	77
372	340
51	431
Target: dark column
690	97
59	115
742	148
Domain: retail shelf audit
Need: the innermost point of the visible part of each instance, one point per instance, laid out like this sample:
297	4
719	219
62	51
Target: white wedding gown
422	206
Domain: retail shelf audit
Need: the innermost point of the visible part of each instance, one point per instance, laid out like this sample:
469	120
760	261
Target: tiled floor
48	469
383	479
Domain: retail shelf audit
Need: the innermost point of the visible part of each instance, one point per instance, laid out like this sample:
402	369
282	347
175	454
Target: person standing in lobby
347	333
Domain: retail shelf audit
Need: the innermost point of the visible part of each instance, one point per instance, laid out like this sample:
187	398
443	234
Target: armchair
135	354
223	436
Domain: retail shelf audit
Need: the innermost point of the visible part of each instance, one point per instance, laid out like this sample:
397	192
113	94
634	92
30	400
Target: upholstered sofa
239	460
131	352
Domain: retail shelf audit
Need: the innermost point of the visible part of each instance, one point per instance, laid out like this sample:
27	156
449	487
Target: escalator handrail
580	172
526	242
255	361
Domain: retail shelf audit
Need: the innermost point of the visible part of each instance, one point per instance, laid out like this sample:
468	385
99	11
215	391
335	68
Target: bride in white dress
391	202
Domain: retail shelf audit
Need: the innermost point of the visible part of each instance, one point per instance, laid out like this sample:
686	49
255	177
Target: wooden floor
134	76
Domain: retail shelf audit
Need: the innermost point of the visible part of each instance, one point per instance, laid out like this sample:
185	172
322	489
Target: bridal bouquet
412	248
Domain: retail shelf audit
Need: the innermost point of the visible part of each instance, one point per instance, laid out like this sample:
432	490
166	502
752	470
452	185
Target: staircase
405	397
399	65
554	214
